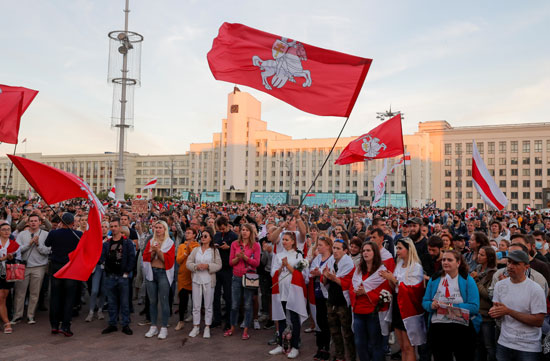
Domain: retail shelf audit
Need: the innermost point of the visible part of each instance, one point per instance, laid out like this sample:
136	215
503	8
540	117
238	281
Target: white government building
248	162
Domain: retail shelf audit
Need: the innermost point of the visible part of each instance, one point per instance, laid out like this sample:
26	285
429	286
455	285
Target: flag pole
11	168
405	171
325	162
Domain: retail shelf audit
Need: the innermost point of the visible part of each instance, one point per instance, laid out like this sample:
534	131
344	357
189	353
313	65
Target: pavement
35	342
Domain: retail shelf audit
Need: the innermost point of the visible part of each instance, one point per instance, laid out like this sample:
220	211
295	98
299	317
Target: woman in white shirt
203	262
284	263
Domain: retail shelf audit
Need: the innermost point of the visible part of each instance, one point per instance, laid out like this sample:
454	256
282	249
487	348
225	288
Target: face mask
538	245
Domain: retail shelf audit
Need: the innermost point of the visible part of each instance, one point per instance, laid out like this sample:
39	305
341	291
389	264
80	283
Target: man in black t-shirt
118	258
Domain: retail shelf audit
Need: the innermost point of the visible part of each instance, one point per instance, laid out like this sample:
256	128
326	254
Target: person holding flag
452	300
407	314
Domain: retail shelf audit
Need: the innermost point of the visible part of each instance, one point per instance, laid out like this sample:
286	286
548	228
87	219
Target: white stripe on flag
485	184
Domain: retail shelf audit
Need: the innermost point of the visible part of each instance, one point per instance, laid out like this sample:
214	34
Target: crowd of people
443	284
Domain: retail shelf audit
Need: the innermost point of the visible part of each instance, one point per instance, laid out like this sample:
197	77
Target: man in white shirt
521	304
35	253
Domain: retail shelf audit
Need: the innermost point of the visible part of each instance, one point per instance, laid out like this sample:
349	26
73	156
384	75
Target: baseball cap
518	256
415	220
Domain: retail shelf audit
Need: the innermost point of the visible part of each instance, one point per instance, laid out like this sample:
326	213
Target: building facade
246	157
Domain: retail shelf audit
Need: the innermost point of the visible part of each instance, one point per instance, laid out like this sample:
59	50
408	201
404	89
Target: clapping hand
360	290
498	310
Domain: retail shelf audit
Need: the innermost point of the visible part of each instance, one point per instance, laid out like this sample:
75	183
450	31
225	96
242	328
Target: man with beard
435	243
420	243
388	240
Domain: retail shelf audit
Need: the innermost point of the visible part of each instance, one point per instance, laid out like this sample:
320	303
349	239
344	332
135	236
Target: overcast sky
468	62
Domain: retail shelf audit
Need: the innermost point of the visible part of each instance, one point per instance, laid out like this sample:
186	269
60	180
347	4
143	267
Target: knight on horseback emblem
285	66
371	146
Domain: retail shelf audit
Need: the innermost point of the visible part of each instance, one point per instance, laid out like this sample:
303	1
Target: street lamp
289	164
171	169
383	116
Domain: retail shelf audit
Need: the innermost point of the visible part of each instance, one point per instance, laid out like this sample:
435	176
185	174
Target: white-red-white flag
380	184
485	184
405	159
528	208
112	192
30	193
152	184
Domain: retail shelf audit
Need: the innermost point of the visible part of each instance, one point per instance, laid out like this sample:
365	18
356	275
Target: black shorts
5	285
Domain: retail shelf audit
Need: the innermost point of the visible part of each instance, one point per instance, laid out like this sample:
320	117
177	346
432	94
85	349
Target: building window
526	146
502	147
548	146
447	173
458	162
514	183
448	149
526	160
458	184
468	172
538	146
502	184
469	195
526	195
502	161
447	205
468	161
458	195
502	172
538	183
538	160
491	161
469	148
514	207
448	184
491	147
458	148
514	172
526	183
514	195
447	162
447	194
538	172
538	195
514	146
526	172
469	184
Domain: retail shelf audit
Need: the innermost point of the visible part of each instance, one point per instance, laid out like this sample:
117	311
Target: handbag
251	281
15	271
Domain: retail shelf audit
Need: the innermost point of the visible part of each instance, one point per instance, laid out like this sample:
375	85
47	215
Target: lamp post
171	169
289	164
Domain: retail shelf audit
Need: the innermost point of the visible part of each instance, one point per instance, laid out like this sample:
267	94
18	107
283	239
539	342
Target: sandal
7	328
228	333
245	336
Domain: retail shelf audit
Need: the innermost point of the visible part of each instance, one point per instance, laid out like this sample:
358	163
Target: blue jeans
368	337
118	291
238	292
97	294
159	287
487	344
508	354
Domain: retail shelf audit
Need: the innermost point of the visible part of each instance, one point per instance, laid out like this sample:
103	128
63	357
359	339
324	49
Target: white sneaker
31	321
153	331
163	333
195	331
188	318
391	339
257	325
243	325
277	350
100	315
206	333
90	317
293	353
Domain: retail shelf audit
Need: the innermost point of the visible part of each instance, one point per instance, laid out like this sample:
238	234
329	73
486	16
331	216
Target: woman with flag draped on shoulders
288	271
407	313
452	300
370	296
159	257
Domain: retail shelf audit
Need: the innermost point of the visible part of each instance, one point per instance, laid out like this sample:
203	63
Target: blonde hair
166	234
413	256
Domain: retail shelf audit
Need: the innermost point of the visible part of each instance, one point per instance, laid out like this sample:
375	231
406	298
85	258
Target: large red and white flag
152	184
380	184
13	103
384	141
297	297
485	184
168	250
409	299
315	80
112	192
55	185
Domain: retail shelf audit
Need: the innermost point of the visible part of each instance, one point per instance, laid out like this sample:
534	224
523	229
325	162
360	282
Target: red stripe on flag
478	178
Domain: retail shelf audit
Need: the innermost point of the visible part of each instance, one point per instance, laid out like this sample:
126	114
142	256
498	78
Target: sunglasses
339	241
205	235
